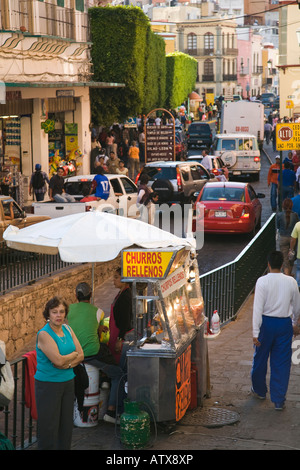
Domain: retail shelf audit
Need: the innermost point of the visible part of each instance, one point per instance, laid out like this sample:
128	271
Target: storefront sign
173	282
145	264
63	93
288	136
183	383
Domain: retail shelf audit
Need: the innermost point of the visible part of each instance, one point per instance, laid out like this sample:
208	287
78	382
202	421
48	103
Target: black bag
38	180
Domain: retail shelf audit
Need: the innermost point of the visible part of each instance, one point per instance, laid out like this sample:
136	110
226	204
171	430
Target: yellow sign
146	264
288	136
289	104
210	98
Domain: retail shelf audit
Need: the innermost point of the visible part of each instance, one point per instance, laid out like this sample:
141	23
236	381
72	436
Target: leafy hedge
181	77
126	50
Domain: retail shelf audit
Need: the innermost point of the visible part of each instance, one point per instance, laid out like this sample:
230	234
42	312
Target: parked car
218	166
122	197
12	214
231	207
199	134
176	182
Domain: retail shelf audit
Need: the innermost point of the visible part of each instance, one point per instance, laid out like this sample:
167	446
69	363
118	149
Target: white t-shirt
206	162
276	295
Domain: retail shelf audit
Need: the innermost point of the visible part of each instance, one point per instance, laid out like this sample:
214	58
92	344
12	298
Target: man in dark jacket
37	184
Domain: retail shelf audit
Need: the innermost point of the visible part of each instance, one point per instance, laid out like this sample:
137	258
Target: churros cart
168	362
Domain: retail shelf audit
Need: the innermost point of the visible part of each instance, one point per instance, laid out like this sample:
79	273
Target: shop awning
64	84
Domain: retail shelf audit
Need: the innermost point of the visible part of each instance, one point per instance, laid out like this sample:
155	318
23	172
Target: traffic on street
149	155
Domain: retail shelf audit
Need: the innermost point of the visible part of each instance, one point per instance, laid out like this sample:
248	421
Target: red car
229	207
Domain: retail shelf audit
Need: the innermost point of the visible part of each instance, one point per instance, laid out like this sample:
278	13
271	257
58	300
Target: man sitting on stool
86	320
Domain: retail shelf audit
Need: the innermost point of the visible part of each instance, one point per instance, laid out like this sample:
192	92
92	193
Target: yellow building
289	59
213	42
167	31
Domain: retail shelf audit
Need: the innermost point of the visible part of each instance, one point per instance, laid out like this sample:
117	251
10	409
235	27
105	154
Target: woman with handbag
58	352
285	222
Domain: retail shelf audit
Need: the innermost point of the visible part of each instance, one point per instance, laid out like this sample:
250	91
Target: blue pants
298	272
276	342
274	192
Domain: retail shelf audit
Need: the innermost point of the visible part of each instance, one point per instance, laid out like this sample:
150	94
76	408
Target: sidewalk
256	424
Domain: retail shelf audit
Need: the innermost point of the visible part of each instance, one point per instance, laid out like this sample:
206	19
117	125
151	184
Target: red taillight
256	159
178	177
245	213
137	178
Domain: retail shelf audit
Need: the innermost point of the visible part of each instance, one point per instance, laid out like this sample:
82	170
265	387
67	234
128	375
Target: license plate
236	172
220	214
199	141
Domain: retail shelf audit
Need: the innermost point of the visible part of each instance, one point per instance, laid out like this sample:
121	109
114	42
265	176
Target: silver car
176	182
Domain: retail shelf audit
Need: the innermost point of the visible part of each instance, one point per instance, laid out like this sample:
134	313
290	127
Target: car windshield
223	194
159	173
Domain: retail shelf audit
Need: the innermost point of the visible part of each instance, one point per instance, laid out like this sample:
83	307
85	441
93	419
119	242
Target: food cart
169	323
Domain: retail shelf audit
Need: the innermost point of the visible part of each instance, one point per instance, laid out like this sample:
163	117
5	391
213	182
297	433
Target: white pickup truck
122	198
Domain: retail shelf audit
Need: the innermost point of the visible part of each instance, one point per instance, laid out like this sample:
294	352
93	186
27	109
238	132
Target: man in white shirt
276	311
206	160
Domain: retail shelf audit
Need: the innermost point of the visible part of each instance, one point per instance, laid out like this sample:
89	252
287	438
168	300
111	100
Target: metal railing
19	268
226	288
16	422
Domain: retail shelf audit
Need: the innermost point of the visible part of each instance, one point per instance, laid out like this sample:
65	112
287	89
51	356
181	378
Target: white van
239	152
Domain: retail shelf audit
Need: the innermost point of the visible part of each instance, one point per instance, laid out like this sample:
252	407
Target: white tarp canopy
90	237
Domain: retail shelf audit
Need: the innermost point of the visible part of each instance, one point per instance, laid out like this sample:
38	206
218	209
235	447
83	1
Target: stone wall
21	311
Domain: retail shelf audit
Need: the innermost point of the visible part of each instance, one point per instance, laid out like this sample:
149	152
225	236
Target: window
11	210
128	186
209	41
224	144
198	173
208	67
116	186
192	42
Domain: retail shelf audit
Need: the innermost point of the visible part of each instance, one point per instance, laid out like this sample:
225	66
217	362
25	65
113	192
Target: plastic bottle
215	323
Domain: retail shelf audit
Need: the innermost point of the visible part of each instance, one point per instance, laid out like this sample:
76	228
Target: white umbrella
90	237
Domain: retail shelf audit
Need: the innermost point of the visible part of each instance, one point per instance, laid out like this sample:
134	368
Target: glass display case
169	321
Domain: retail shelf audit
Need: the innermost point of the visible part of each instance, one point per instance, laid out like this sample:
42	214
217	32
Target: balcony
47	19
258	70
229	77
230	51
208	78
244	71
194	52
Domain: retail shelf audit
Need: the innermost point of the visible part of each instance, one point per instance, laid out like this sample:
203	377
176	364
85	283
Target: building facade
213	43
46	76
288	62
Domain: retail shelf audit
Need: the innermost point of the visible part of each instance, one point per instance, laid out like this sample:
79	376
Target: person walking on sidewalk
276	310
273	173
37	185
